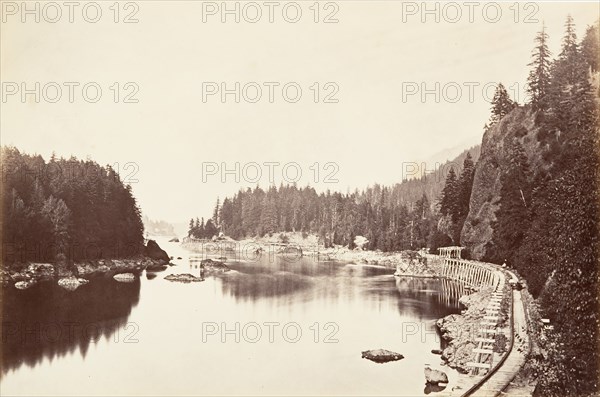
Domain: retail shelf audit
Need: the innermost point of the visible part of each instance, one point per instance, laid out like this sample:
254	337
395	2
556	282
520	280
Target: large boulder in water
381	355
153	251
210	265
433	376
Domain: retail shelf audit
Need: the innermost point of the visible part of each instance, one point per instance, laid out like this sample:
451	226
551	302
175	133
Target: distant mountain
434	178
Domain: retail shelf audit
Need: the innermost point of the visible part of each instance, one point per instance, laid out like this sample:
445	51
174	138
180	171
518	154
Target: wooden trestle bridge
491	372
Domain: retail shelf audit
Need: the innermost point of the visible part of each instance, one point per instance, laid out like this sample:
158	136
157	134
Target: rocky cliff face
519	125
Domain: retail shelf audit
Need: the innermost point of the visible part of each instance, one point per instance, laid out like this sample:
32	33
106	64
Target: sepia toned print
320	198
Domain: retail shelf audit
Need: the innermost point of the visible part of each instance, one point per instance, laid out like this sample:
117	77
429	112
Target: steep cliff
517	125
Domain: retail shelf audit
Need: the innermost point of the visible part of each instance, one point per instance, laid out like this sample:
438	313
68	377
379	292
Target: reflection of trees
245	286
47	321
265	279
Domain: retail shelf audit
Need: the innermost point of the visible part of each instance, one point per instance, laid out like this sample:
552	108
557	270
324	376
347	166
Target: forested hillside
547	218
65	210
535	203
400	217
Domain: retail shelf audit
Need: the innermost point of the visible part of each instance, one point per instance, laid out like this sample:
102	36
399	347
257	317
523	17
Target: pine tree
464	187
191	227
590	46
465	183
216	213
571	99
449	197
513	214
538	82
268	220
569	43
501	104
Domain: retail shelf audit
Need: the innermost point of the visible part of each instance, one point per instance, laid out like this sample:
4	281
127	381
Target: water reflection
308	280
45	321
368	305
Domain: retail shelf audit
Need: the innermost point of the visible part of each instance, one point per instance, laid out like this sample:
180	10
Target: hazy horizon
164	139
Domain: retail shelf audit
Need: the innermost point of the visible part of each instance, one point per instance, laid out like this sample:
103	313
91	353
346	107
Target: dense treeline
547	219
65	210
384	215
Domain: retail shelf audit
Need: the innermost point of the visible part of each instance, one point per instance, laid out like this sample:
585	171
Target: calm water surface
300	328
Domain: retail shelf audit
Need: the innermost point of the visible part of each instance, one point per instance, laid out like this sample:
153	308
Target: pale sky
376	52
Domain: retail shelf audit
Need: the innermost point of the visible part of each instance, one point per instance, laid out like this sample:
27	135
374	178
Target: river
267	327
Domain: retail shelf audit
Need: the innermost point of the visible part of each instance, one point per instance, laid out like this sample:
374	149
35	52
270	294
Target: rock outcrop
381	355
153	251
517	125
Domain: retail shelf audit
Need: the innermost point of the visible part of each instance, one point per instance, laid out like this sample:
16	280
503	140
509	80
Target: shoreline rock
459	330
24	284
72	283
183	278
153	251
124	277
434	376
381	356
24	276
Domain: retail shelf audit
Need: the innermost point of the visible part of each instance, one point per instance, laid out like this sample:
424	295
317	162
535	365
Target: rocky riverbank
294	246
460	330
23	276
71	276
